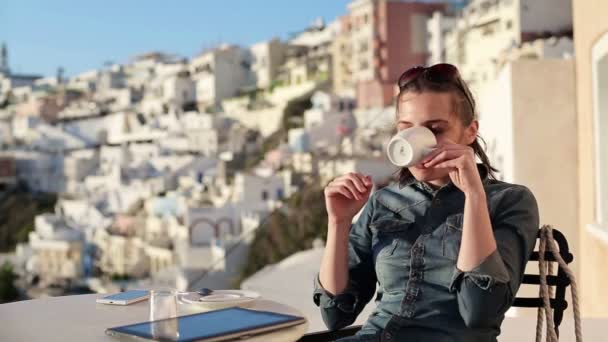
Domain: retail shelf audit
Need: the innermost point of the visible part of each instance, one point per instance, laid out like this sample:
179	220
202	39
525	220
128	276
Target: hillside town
164	166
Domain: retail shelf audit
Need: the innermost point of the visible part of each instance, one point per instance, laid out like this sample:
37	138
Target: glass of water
163	306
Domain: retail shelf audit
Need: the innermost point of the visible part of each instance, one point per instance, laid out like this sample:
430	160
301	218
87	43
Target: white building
528	124
250	188
104	129
80	109
220	73
82	215
57	250
267	57
168	92
328	135
135	153
121	255
86	81
40	171
146	67
308	56
77	166
204	141
160	258
438	26
487	28
114	78
299	140
304	163
23	126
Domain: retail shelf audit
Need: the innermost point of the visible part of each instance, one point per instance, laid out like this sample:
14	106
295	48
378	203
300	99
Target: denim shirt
407	240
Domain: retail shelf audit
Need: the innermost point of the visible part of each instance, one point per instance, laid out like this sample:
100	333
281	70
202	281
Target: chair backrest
558	303
559	282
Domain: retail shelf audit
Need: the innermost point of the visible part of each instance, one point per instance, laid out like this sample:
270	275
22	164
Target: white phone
125	298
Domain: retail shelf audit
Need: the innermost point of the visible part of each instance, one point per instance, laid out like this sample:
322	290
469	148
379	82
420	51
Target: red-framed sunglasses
438	73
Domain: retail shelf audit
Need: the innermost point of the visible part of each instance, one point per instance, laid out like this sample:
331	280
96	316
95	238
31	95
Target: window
363	46
509	24
600	110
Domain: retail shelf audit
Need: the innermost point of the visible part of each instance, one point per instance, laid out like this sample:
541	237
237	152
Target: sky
82	35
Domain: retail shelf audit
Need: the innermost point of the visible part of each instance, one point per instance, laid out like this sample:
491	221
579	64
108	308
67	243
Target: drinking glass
163	308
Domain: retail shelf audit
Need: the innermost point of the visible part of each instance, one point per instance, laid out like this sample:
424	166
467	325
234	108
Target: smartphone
125	298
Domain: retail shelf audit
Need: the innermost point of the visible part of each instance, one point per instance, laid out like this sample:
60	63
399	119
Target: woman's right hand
346	195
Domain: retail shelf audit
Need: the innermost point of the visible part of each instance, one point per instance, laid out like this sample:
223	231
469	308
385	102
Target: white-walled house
121	255
23	126
309	54
299	140
77	165
86	81
267	57
83	215
437	27
220	73
168	92
141	152
329	134
40	171
57	250
204	141
485	29
250	188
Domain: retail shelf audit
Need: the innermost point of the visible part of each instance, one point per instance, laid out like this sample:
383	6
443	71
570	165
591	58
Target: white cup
409	146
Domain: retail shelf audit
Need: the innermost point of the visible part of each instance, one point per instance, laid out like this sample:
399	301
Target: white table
80	318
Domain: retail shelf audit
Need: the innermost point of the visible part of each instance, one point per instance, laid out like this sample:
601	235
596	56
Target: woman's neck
438	183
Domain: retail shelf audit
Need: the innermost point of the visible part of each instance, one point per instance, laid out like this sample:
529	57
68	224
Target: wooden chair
559	282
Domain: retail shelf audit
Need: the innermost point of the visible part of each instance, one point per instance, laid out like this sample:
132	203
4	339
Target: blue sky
82	35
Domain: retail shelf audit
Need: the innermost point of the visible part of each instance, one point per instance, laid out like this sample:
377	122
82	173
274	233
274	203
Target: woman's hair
465	109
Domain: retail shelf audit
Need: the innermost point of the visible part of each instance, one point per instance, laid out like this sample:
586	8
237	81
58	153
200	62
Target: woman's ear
471	132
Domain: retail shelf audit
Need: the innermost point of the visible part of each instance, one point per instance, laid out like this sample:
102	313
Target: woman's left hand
460	159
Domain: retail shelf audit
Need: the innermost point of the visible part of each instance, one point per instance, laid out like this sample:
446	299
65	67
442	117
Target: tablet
211	326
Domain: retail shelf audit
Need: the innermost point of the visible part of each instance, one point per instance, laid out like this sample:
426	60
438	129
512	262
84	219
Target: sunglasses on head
438	73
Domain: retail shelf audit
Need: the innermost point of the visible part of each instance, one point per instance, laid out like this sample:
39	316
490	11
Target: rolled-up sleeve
341	310
485	293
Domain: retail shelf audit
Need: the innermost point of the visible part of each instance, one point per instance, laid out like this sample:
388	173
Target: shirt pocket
386	233
391	251
452	236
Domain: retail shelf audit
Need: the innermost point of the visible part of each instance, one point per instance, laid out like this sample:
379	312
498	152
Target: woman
447	244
